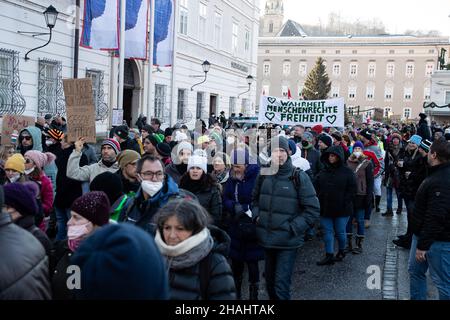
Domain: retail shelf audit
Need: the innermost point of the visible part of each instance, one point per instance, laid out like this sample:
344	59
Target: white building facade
224	32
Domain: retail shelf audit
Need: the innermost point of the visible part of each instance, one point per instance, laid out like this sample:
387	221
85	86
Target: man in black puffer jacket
430	225
24	267
283	212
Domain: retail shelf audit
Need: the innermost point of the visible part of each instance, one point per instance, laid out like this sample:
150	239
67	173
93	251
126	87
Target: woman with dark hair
194	252
204	186
221	168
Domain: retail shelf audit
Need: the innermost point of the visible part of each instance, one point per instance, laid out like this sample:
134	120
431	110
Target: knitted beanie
113	144
358	144
40	159
198	161
16	162
326	139
122	132
94	206
127	157
22	197
56	134
280	142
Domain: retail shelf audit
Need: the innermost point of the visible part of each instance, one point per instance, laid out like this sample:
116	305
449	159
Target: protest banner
12	125
328	113
80	109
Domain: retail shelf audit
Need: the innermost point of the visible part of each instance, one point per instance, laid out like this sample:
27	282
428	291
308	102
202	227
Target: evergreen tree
317	85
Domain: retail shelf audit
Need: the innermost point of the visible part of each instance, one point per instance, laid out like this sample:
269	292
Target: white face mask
48	142
151	187
357	154
14	178
27	172
77	231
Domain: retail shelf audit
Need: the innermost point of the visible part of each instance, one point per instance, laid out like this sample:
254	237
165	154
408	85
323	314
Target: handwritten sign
80	109
328	113
117	118
13	123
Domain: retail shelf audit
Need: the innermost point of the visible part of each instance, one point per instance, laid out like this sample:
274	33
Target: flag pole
151	40
121	54
174	56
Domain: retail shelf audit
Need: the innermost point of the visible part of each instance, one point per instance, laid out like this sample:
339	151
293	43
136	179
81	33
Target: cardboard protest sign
80	109
12	125
328	113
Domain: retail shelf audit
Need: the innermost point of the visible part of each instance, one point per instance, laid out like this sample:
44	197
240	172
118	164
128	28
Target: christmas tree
317	85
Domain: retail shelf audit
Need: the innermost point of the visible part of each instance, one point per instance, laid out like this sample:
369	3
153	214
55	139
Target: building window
302	69
351	110
354	51
370	92
181	106
391	51
265	90
390	69
50	88
284	91
388	93
337	69
202	21
234	39
406	113
160	101
303	51
426	93
11	100
387	112
447	97
286	68
431	51
352	93
271	27
323	51
232	105
335	91
217	29
371	69
300	90
429	68
247	41
411	51
287	51
266	68
101	108
267	51
408	91
369	114
200	104
338	51
353	69
183	16
409	69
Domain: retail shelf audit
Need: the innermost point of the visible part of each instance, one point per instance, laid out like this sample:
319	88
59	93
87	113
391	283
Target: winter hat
152	139
16	162
216	137
127	157
48	116
159	137
415	139
198	161
22	197
308	137
366	134
240	156
292	146
93	206
113	144
358	144
325	138
425	145
40	159
317	128
396	136
56	134
163	149
203	139
110	183
337	135
122	132
184	145
280	142
180	136
422	115
121	262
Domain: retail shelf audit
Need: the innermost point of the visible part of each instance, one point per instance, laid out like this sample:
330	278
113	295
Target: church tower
272	20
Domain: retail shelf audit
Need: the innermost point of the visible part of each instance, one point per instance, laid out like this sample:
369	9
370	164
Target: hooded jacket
283	212
86	173
335	186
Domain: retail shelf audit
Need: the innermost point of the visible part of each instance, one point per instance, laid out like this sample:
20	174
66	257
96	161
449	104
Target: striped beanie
113	144
56	134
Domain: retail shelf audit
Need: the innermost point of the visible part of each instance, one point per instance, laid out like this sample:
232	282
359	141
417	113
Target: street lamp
50	15
205	66
249	82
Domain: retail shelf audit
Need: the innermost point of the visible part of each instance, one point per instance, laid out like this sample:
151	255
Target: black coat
335	186
414	163
24	265
128	186
430	219
424	130
59	262
67	190
130	144
185	283
313	157
27	222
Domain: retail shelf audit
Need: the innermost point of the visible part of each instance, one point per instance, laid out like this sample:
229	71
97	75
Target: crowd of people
179	213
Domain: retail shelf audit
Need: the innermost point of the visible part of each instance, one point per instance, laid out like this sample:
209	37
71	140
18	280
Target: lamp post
50	15
249	82
205	66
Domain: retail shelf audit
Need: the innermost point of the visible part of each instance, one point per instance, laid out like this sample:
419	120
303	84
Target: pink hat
39	158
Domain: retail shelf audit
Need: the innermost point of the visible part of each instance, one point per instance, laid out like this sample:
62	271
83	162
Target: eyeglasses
26	137
150	175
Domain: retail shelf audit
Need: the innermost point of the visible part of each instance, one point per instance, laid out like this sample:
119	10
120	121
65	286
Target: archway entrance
131	92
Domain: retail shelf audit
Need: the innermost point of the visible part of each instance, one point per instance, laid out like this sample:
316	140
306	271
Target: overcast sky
397	15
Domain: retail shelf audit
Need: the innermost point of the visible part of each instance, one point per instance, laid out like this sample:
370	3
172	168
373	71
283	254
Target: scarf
222	176
108	164
187	253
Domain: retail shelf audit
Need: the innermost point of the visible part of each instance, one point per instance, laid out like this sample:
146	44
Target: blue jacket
141	212
241	249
